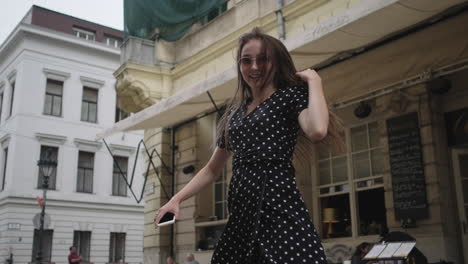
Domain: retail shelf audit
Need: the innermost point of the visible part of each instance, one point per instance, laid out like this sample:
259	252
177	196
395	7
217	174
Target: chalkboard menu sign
406	166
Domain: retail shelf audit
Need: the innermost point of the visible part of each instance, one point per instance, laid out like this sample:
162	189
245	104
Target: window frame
2	95
53	97
86	103
350	187
49	233
84	174
12	97
117	174
53	177
114	236
117	42
4	169
88	34
78	236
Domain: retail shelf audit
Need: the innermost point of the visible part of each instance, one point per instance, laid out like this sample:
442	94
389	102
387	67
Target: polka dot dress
268	220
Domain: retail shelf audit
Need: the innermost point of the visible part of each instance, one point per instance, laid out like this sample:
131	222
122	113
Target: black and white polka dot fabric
268	220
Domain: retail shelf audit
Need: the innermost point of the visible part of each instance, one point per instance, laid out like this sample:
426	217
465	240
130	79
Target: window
117	247
82	242
85	172
53	98
48	153
113	41
5	161
353	176
119	186
214	13
12	98
220	201
1	105
89	105
46	247
84	34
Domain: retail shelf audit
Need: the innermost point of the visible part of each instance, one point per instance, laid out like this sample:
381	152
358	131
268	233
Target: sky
105	12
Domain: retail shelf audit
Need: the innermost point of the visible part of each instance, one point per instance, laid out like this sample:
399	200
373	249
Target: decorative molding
11	76
5	140
92	83
82	226
134	95
87	145
51	139
56	75
121	150
118	228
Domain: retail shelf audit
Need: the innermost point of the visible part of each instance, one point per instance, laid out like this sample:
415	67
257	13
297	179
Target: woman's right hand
171	206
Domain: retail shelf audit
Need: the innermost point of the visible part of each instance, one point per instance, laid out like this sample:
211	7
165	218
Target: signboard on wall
407	168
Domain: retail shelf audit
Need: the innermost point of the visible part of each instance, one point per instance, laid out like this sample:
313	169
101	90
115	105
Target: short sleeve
299	99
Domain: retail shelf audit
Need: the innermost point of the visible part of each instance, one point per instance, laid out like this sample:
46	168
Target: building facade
56	93
394	71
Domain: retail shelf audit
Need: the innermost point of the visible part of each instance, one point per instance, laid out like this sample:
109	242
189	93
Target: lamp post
46	168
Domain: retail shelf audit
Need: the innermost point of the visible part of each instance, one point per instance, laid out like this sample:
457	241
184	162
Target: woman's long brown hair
284	75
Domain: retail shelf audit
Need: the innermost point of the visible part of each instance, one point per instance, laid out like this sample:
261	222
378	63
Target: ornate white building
56	93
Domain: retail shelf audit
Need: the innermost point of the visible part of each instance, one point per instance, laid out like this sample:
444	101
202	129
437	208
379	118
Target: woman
268	220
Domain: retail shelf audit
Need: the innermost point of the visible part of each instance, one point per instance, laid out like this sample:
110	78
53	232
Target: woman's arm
205	176
314	119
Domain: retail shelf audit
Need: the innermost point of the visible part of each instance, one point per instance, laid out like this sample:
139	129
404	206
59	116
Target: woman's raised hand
309	75
171	206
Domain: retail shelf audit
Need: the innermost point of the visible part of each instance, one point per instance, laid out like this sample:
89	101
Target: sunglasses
248	61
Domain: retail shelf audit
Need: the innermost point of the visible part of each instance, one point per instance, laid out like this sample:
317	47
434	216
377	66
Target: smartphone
167	219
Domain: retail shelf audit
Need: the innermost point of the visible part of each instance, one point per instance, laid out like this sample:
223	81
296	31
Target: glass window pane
48	105
374	137
90	95
80	180
54	87
340	170
57	106
372	212
377	161
84	111
335	216
324	172
361	165
218	192
359	138
219	210
92	113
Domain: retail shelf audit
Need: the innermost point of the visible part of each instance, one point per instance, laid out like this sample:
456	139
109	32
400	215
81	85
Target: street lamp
46	168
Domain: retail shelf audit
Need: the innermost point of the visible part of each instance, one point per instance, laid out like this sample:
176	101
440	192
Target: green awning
167	19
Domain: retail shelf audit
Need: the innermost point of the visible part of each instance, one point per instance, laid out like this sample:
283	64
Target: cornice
91	82
55	74
49	138
24	28
88	145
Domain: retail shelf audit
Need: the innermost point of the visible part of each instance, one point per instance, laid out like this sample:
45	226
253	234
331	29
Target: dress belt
257	156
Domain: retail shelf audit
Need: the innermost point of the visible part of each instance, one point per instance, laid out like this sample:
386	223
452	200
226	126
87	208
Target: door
460	167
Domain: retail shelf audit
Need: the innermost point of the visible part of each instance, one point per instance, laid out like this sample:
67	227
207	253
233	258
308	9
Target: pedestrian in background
73	257
190	259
